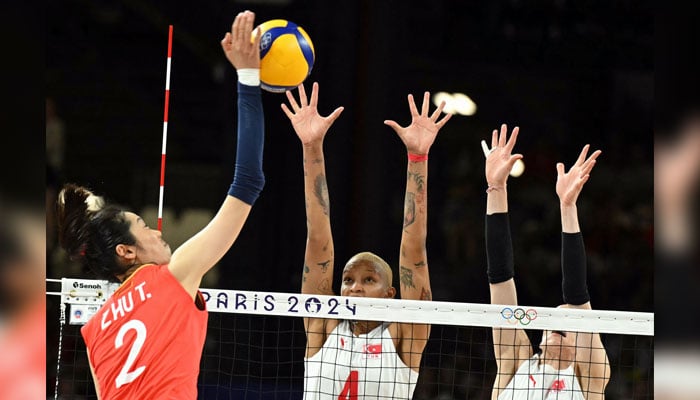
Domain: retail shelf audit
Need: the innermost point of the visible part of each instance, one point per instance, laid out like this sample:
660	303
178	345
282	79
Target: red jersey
146	341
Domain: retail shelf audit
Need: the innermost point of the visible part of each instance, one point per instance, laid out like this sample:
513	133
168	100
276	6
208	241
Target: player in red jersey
146	341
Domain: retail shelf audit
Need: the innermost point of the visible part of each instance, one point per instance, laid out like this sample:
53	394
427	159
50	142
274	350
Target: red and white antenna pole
165	129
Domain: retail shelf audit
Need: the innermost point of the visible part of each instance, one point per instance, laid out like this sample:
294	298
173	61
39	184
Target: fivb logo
81	285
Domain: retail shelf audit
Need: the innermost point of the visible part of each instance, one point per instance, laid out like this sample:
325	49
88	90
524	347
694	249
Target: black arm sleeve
573	269
499	248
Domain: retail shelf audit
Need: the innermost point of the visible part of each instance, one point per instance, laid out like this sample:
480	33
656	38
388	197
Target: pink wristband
417	157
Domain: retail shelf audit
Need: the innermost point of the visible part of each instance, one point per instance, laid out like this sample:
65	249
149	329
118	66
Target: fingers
426	103
292	101
582	156
503	135
256	39
289	114
494	139
395	126
438	110
302	95
443	121
485	148
226	41
560	169
412	106
513	138
238	28
335	114
314	95
248	18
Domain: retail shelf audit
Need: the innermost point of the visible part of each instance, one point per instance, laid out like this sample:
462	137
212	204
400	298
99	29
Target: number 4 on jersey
350	389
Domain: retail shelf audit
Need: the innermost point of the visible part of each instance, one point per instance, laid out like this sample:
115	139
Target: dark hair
89	230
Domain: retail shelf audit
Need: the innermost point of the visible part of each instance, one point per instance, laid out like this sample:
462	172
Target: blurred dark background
568	73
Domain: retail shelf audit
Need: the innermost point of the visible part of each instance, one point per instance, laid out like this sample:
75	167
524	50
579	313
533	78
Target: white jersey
535	381
350	367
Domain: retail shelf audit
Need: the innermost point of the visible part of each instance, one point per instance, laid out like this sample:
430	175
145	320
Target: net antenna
165	129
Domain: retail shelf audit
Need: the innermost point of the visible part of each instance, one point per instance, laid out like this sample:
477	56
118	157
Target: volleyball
286	55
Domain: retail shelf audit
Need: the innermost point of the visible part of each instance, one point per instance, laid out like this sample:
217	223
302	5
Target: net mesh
255	349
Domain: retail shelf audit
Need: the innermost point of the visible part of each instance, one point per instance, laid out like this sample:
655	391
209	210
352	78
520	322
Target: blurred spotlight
518	169
455	103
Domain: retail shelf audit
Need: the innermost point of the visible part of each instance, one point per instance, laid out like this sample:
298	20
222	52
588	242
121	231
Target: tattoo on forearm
324	265
425	294
406	277
420	264
314	161
409	212
418	178
321	192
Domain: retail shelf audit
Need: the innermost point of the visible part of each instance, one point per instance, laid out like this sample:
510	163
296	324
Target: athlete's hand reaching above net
309	125
499	159
421	133
569	184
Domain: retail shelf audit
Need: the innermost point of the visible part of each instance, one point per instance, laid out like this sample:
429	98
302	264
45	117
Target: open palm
421	133
308	124
500	160
569	184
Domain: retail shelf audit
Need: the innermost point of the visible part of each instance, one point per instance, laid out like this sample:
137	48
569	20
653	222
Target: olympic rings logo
519	316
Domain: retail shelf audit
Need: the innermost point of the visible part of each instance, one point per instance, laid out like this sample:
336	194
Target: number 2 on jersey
350	389
125	376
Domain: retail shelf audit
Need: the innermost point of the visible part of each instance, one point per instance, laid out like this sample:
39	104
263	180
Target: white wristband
249	76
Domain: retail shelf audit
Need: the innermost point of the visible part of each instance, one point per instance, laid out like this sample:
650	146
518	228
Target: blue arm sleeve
248	179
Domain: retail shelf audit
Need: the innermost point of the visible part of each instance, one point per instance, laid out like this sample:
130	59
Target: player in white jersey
569	365
352	360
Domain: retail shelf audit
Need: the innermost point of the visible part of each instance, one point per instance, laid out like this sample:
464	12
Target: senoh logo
518	315
81	285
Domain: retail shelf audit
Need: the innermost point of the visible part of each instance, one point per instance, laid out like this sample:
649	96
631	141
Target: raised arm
311	129
201	252
413	259
317	277
417	137
511	346
592	365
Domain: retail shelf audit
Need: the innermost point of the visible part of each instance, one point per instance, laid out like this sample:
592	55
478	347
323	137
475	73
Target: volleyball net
256	346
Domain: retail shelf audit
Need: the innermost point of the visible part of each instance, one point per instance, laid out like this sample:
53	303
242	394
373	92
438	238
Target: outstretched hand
308	124
421	133
569	184
499	160
241	51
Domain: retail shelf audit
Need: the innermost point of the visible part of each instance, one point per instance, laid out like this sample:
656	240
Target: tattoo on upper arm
409	213
321	192
425	294
406	276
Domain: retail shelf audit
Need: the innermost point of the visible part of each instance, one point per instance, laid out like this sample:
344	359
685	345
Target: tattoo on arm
324	265
418	178
324	286
406	277
306	271
420	264
321	192
409	213
425	294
